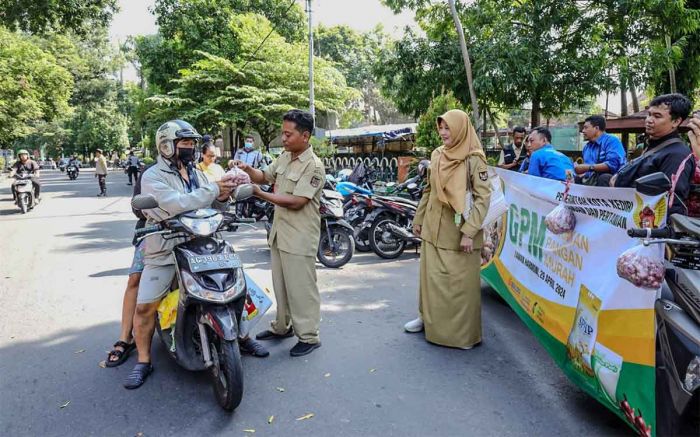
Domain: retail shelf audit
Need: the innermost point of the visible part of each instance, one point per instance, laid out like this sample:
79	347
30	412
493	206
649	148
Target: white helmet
172	131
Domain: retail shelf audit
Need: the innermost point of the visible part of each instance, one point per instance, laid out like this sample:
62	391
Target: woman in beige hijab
450	260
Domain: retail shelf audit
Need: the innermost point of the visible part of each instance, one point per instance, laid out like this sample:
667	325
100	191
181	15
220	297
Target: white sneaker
414	325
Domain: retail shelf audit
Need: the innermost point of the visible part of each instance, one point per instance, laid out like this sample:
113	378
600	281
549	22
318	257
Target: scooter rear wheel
226	373
383	242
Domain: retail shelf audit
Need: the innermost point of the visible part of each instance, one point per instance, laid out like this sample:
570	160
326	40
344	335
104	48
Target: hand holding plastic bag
642	265
239	176
560	220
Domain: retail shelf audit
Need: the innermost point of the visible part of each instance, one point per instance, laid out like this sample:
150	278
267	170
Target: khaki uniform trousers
296	292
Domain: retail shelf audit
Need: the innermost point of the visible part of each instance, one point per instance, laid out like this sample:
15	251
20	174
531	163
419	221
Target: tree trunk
467	63
671	70
635	97
623	103
536	113
495	128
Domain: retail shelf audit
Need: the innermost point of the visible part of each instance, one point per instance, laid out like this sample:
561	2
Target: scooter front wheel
226	372
24	203
336	249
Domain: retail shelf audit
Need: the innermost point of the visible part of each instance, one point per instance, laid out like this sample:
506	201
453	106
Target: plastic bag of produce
239	176
560	220
642	265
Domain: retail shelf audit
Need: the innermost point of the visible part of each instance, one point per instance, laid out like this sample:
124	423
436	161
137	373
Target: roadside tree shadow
101	236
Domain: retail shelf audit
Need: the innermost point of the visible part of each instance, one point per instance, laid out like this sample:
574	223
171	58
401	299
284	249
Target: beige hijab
451	167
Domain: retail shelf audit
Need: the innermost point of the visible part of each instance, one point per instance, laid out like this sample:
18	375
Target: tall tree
542	53
253	92
34	87
355	54
39	16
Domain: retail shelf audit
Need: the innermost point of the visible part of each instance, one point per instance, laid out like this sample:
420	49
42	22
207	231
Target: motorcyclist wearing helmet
178	187
27	165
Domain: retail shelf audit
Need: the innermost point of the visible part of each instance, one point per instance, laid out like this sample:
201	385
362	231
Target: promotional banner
560	277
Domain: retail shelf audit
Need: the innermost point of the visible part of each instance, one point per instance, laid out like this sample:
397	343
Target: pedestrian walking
101	172
298	175
132	169
450	259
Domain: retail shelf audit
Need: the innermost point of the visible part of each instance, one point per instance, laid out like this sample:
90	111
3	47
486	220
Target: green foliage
38	16
148	160
98	126
426	133
188	26
355	55
33	86
216	91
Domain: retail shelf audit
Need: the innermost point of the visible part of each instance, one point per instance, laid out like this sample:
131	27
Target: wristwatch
591	168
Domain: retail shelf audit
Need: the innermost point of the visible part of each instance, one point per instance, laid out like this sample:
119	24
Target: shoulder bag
497	202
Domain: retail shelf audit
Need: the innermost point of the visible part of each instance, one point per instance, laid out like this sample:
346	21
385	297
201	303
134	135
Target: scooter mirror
243	192
144	201
412	186
390	184
653	184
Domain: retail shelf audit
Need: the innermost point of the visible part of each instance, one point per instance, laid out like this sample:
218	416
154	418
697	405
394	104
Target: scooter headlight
228	295
692	375
203	226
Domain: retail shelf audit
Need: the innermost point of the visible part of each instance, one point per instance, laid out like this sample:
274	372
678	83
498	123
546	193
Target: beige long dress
450	290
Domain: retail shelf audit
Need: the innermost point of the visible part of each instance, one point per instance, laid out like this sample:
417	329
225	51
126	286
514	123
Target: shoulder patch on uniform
315	181
484	175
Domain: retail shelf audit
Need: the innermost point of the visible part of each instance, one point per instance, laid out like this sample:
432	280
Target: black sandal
138	375
122	356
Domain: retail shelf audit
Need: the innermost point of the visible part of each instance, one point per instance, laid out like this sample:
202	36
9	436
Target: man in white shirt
132	167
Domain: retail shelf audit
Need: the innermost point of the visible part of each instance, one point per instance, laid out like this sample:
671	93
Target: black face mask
186	156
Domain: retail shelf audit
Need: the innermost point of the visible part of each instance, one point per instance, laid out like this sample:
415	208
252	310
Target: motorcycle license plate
203	263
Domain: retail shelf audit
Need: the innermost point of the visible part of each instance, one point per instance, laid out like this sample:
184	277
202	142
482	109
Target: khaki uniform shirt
438	219
297	232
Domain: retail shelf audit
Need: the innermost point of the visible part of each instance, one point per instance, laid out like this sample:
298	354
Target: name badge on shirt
458	218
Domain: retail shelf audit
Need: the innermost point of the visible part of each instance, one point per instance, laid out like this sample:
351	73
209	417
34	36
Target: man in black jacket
665	152
513	155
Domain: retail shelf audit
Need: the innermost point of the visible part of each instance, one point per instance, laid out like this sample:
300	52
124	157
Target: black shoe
249	346
269	335
129	183
138	375
301	349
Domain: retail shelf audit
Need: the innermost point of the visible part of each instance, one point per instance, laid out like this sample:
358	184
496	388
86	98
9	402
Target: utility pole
312	105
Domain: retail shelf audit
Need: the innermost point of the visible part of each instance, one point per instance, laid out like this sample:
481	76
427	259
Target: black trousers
132	172
102	180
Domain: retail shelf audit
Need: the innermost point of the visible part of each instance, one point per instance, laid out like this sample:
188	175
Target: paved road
62	273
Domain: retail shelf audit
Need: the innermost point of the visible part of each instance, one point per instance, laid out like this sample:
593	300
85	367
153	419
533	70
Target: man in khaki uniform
298	175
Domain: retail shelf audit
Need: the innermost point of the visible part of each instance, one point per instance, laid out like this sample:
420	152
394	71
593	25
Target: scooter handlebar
650	233
148	230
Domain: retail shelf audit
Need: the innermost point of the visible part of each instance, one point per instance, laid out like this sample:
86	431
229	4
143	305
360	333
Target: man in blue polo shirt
545	161
603	154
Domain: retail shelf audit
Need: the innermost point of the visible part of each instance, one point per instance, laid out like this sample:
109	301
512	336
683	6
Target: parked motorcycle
72	172
212	294
254	207
390	226
677	318
24	192
336	244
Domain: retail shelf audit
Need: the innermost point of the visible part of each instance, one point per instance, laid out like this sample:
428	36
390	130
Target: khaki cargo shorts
155	283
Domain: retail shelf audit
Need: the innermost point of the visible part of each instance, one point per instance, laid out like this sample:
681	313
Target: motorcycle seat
401	200
685	224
